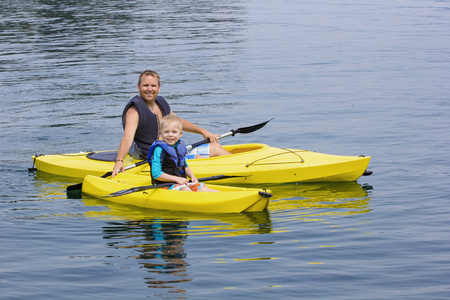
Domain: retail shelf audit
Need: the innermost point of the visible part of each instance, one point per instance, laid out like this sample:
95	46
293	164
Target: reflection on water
159	247
216	224
301	201
313	201
50	185
42	179
156	240
159	237
159	241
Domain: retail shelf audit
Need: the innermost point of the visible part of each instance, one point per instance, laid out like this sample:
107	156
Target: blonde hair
171	118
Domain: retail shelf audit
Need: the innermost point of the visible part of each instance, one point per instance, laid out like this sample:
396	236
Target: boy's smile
171	133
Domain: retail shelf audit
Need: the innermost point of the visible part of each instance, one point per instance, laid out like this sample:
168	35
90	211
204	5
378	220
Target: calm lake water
340	77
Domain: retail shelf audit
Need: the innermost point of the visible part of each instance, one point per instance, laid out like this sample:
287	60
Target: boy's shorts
202	150
195	187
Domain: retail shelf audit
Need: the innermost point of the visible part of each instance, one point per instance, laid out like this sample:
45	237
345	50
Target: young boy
167	158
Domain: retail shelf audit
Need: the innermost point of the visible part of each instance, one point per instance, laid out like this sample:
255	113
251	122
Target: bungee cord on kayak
279	162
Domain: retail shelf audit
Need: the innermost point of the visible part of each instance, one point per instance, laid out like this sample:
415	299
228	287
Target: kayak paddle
248	129
161	185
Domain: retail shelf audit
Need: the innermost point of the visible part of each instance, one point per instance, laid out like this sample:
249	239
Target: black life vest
147	130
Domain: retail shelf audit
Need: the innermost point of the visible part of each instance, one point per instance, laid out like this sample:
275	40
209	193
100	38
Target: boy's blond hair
171	118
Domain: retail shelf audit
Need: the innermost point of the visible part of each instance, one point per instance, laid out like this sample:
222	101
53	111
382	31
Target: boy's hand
181	180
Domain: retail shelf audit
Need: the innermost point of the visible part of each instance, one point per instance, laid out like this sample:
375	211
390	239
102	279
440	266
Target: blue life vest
173	163
147	130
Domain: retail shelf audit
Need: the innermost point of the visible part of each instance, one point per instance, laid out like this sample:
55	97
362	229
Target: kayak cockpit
242	148
233	149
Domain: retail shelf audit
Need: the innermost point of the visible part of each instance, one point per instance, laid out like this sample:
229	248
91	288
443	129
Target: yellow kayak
256	163
227	200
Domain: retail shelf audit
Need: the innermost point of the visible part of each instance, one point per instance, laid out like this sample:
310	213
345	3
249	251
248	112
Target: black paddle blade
250	129
75	187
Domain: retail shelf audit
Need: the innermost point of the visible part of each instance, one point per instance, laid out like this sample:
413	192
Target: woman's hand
118	167
210	136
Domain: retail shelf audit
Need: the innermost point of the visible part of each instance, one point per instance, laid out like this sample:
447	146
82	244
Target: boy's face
171	133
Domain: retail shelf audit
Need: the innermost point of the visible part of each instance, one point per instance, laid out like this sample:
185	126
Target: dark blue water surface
340	77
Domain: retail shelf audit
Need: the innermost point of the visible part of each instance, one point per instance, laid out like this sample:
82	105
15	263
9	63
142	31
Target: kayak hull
255	163
227	200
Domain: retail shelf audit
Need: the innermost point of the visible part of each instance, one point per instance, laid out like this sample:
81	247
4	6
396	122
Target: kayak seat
103	156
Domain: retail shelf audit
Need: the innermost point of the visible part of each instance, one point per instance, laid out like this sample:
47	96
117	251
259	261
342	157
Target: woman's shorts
202	150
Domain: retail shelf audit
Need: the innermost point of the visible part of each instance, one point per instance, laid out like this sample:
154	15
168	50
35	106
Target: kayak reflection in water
158	245
167	158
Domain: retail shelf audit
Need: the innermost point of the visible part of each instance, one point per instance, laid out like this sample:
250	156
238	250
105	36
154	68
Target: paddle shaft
161	185
189	147
126	168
